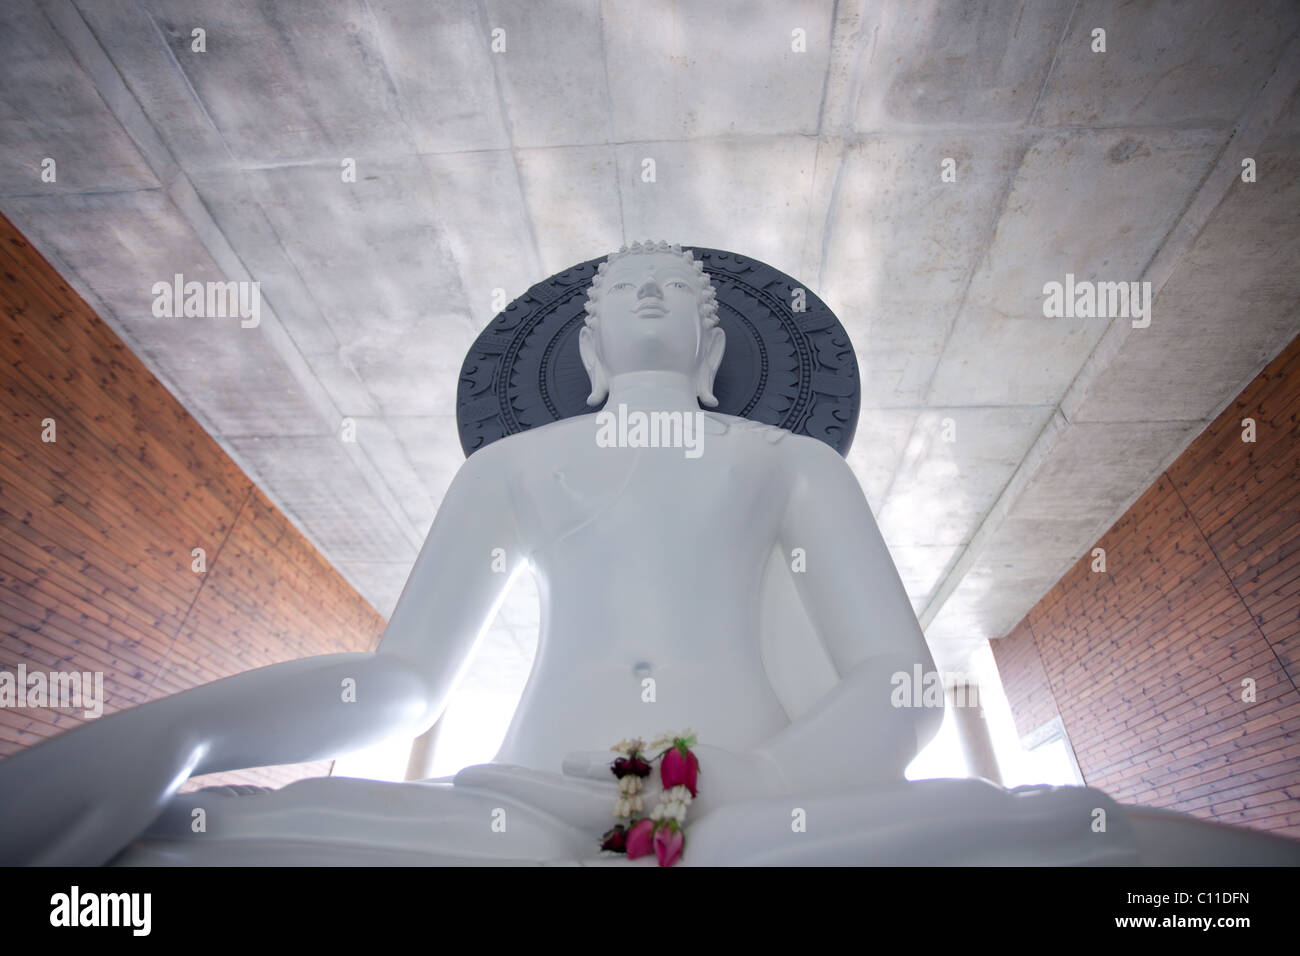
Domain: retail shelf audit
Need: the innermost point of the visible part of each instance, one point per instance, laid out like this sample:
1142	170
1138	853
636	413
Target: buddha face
648	318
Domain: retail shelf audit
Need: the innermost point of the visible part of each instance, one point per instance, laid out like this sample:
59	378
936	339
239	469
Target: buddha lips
661	832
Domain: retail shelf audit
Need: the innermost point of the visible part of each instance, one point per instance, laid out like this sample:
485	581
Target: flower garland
661	832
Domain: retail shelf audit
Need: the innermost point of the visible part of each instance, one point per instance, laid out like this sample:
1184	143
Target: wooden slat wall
97	528
1146	662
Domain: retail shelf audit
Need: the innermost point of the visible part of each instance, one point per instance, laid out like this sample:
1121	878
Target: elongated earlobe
591	362
715	343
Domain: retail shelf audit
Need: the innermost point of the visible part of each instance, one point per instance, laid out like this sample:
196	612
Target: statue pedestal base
350	822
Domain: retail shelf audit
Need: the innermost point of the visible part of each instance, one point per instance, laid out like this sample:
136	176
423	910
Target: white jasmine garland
626	806
672	804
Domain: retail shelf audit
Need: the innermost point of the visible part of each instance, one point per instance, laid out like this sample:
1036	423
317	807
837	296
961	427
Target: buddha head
651	308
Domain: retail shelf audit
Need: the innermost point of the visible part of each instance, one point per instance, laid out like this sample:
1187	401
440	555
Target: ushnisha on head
651	307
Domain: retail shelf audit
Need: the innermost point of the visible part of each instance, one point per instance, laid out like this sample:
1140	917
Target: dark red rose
626	765
615	839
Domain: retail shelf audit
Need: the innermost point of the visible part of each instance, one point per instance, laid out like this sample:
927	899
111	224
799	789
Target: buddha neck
653	391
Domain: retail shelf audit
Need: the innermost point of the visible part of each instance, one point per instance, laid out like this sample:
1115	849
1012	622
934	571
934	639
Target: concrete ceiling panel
123	243
1095	465
440	61
956	463
1096	205
878	447
572	198
552	71
933	63
260	78
50	109
713	193
706	68
480	206
318	477
1167	62
1232	303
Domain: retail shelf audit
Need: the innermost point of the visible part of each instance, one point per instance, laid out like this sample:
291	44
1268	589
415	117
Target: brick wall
1145	663
97	528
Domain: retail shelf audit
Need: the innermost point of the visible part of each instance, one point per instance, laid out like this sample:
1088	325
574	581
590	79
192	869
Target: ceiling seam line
609	118
851	101
503	110
1051	67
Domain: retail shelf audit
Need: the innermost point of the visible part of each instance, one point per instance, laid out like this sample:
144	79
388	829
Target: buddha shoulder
787	443
523	447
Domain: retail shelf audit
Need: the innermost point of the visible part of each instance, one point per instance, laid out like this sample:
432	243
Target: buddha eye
620	285
678	284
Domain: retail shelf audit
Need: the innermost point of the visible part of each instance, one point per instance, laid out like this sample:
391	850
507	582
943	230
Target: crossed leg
327	821
503	815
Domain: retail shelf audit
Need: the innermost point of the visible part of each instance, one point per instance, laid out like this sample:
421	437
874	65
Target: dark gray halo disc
795	370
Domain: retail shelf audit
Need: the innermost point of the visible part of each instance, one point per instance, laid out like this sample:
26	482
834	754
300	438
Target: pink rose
640	839
679	769
668	843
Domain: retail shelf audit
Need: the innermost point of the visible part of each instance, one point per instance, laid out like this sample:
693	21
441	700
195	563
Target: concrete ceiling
480	171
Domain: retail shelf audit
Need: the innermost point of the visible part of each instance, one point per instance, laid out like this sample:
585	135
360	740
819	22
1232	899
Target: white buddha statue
660	568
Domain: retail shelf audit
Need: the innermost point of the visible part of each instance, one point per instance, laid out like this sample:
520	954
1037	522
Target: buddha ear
714	344
591	361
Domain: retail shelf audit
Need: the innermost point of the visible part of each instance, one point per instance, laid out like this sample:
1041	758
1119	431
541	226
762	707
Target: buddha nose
649	290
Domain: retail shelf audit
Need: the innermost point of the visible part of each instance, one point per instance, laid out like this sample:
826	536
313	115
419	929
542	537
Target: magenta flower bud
668	843
679	769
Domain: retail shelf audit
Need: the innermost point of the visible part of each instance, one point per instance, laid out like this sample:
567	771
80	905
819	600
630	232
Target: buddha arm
450	597
853	736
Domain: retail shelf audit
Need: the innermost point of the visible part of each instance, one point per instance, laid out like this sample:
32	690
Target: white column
420	764
973	731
